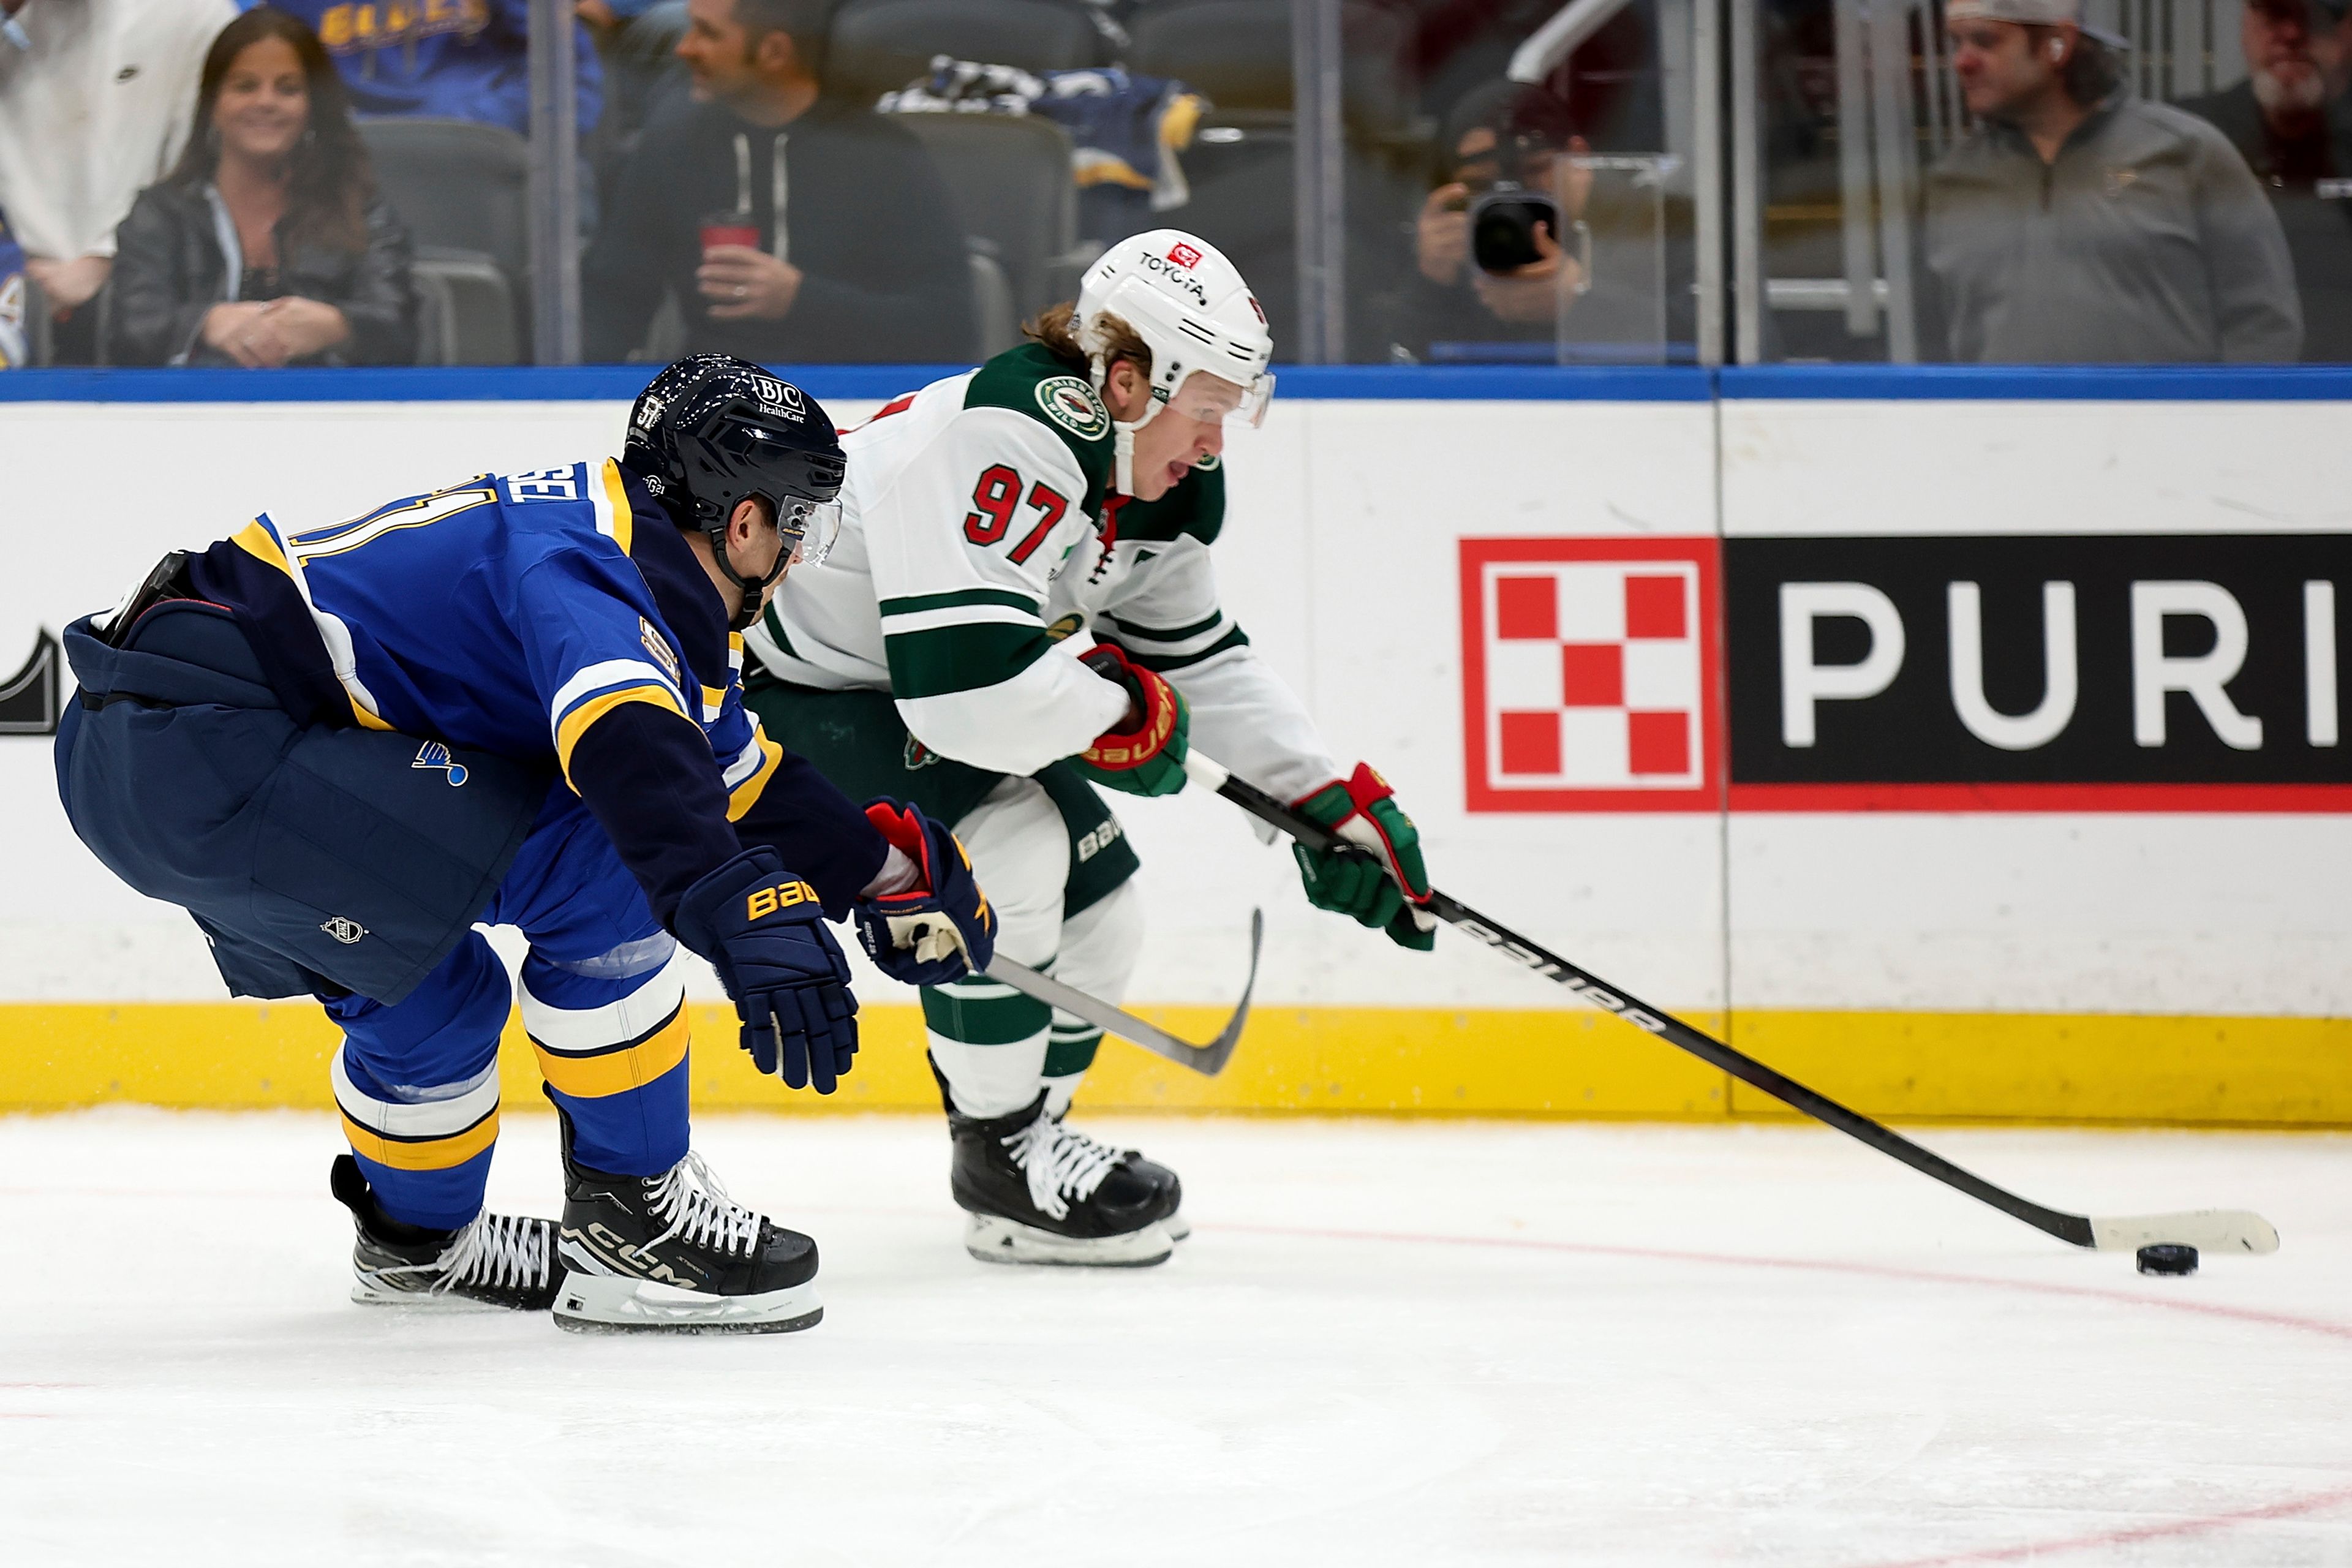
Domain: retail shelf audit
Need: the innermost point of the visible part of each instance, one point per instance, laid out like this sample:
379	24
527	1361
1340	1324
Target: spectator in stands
454	59
2291	120
787	225
267	245
1451	301
2077	224
637	40
15	348
121	74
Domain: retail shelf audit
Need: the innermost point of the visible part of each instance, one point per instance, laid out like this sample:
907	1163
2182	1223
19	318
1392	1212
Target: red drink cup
728	228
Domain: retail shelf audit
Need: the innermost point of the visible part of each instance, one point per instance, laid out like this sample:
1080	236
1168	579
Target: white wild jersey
972	571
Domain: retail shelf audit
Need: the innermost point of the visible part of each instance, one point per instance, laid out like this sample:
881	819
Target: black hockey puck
2167	1259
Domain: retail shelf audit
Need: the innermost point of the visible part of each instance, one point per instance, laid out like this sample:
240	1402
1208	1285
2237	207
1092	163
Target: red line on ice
2315	1502
1819	1266
2293	1508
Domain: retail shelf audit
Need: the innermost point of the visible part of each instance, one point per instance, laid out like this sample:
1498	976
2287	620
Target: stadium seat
996	325
460	187
876	45
466	311
1237	52
37	345
1010	177
1244	202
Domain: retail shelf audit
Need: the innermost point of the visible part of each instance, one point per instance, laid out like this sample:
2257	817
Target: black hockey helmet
712	431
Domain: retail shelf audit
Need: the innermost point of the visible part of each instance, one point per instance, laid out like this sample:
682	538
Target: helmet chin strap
747	613
1122	431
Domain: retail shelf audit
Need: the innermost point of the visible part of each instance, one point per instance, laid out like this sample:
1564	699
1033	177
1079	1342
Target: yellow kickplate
1334	1061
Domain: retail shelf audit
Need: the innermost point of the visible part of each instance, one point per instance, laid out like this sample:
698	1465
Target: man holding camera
1501	136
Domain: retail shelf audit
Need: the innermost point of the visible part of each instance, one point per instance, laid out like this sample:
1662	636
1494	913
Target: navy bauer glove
942	927
763	930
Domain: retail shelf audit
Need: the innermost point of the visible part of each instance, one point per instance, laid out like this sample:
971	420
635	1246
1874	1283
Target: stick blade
2208	1230
1209	1059
1219	1050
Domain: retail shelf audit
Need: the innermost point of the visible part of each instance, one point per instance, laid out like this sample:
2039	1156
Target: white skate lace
1060	1162
697	1205
495	1249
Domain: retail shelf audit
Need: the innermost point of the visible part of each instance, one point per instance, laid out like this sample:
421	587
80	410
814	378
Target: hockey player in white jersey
1022	605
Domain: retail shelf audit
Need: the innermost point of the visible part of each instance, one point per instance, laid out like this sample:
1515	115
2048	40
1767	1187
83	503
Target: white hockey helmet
1193	311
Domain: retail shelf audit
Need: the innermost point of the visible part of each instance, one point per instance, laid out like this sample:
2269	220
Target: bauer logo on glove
763	931
942	927
782	895
1146	757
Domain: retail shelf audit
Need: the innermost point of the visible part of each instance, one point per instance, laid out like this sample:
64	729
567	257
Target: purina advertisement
2164	672
1985	673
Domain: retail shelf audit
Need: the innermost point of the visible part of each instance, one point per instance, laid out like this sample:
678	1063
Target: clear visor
1212	400
808	528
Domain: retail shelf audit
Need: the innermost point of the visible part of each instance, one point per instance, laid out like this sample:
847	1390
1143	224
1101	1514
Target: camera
1503	222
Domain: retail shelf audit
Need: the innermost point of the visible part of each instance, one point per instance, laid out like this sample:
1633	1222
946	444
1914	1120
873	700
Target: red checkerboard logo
1590	674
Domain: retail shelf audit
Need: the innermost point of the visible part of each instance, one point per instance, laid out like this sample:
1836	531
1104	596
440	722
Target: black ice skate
1037	1190
1156	1174
499	1260
673	1253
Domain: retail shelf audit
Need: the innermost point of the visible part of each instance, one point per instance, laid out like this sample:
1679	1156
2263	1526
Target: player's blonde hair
1056	327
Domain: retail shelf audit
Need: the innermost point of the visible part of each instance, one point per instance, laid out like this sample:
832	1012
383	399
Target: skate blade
611	1304
368	1295
1177	1227
992	1239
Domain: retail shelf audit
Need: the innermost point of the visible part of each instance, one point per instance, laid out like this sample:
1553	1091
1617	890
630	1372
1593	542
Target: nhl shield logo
344	930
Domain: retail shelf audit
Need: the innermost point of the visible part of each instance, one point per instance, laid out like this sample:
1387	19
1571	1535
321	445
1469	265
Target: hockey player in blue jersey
518	701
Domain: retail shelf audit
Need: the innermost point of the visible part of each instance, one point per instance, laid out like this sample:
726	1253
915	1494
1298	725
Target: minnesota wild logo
919	755
1072	403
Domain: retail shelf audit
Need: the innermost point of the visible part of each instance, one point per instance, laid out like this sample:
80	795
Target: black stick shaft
2069	1227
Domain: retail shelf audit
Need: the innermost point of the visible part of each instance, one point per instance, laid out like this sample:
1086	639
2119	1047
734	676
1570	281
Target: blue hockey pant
603	1002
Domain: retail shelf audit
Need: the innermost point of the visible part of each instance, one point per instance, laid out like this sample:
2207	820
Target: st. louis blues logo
435	754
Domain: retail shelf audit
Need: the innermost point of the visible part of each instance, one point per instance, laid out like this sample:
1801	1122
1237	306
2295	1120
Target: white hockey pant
995	1046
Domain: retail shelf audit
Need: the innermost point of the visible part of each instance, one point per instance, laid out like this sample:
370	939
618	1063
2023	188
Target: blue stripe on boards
1383	383
2041	383
622	382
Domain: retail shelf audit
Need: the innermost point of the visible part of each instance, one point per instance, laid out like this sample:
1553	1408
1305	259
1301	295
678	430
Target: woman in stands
267	245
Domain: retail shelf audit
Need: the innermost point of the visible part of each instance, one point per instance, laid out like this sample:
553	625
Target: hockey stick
2231	1230
1209	1059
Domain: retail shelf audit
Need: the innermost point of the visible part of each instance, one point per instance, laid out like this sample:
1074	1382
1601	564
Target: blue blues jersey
461	59
555	616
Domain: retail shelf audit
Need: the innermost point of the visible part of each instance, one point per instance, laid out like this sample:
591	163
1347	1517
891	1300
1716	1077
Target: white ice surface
1459	1342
